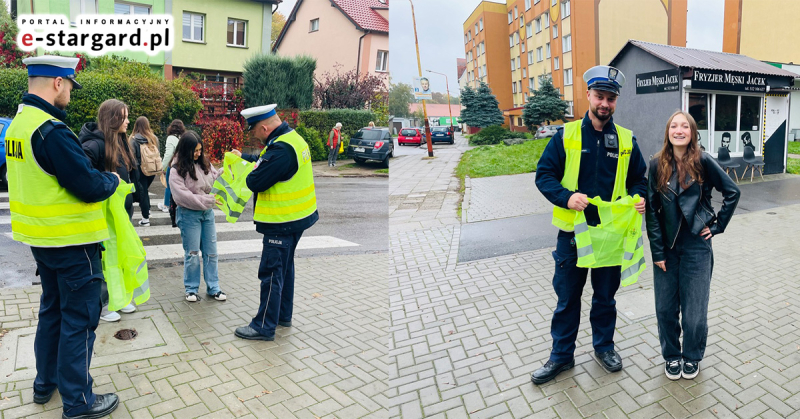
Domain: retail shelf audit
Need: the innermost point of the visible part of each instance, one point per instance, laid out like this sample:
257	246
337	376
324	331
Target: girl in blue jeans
680	184
190	181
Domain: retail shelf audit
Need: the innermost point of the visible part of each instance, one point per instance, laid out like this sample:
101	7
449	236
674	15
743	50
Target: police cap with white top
258	113
603	77
53	66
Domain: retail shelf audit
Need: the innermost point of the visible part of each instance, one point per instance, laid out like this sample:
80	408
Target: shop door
775	120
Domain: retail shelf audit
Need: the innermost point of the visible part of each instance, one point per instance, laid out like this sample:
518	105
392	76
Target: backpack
151	160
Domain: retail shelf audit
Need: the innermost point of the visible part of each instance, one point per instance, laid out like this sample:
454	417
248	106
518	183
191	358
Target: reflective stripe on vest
293	199
563	217
43	213
124	259
231	189
617	241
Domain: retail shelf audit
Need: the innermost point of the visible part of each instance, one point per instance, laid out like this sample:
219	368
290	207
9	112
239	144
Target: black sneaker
42	398
673	369
690	369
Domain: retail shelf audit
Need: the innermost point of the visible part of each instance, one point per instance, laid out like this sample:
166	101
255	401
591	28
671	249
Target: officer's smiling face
602	103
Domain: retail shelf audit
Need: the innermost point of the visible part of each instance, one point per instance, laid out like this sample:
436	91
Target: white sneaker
144	222
130	308
164	208
112	316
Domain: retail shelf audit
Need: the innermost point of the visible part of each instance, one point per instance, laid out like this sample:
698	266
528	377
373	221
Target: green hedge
323	121
494	134
315	142
13	82
270	78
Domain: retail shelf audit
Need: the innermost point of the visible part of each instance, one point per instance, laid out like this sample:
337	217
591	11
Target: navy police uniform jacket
598	169
278	164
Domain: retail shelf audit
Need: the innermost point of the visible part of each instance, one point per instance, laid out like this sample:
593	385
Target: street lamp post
419	67
447	85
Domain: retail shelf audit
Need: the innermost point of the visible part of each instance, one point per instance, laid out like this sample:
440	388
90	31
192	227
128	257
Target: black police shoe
285	324
247	332
42	398
550	370
610	360
673	369
690	369
103	405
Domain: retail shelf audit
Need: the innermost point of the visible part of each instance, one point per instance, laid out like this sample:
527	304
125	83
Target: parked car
443	134
546	131
4	123
414	136
371	144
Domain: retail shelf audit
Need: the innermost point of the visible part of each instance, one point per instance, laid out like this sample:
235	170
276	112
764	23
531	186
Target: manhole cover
126	334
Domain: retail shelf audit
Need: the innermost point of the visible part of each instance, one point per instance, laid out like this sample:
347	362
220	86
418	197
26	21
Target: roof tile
363	14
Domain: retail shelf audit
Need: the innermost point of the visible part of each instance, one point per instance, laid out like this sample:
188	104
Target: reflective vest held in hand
293	199
563	218
230	189
124	261
616	241
43	213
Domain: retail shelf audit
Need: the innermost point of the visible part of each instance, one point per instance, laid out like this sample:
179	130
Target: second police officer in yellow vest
55	197
590	158
285	206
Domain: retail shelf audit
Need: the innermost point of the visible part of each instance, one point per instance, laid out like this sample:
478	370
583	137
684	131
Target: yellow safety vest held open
295	198
43	213
230	189
617	241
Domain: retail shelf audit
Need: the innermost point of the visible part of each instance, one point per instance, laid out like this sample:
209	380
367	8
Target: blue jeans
684	290
198	235
166	191
568	282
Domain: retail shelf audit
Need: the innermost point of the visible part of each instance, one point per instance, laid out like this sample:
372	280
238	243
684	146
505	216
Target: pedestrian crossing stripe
232	247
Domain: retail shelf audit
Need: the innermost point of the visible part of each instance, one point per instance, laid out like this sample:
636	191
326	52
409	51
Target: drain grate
126	334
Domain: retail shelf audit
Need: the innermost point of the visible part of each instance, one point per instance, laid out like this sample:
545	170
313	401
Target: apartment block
487	52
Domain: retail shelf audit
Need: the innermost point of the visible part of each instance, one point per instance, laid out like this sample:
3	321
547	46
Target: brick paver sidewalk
465	337
516	197
331	363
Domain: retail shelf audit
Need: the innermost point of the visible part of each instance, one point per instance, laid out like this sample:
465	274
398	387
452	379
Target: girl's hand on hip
706	233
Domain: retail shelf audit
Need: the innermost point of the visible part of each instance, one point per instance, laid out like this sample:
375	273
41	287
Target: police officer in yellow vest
55	196
582	162
285	206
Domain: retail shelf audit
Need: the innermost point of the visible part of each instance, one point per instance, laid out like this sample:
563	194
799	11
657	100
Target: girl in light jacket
190	181
174	132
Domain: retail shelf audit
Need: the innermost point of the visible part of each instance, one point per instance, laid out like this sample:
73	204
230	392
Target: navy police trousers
276	273
568	283
69	311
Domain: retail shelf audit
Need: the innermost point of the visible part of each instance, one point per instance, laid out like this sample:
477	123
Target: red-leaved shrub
221	135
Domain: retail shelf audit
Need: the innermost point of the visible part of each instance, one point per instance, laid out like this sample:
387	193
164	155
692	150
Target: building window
530	57
480	24
570	109
547	50
510	17
313	25
524	75
236	32
382	63
130	9
536	1
567	77
514	87
193	27
565	9
538	22
483	48
546	18
525	96
567	43
527	4
532	83
555	31
515	12
79	7
484	70
539	54
510	41
512	65
522	47
529	29
555	64
554	2
516	38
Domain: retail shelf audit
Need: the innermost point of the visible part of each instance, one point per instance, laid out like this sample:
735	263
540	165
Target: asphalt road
494	238
354	210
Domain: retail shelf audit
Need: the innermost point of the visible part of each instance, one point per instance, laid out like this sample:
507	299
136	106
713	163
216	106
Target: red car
411	136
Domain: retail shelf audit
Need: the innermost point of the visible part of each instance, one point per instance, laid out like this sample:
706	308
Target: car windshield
439	129
408	132
368	134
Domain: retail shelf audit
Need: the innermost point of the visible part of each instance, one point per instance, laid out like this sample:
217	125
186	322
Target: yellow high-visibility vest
43	213
617	241
293	199
124	260
564	218
230	189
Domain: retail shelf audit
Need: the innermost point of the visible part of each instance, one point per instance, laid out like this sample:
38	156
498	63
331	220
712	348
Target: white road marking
168	230
5	219
175	251
5	205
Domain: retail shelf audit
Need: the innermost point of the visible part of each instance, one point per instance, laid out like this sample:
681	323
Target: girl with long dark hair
174	132
681	181
148	163
105	143
190	182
